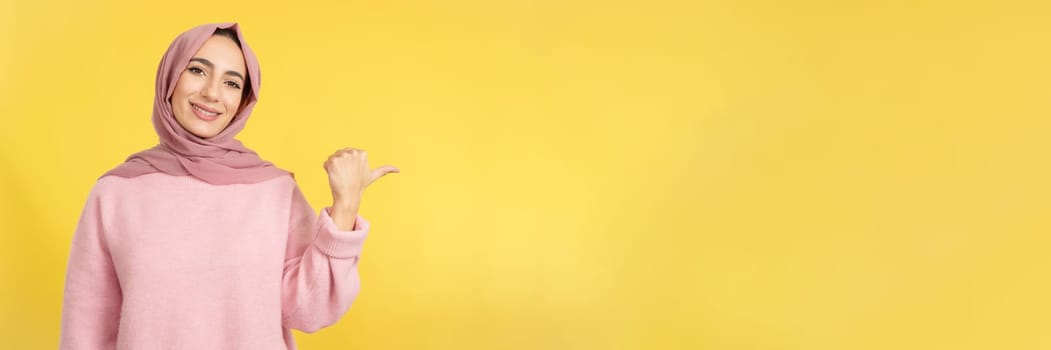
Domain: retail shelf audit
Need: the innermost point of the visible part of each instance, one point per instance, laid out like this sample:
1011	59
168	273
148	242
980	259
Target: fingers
360	154
361	158
349	151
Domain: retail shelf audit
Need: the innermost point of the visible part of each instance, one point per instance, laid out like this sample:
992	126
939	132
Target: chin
206	134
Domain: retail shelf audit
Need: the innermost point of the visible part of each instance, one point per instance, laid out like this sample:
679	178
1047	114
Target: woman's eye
195	70
233	84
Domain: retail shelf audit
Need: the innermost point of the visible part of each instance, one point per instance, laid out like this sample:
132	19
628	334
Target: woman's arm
320	278
92	299
321	266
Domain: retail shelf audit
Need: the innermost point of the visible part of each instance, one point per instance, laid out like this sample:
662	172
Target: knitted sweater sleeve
92	298
320	278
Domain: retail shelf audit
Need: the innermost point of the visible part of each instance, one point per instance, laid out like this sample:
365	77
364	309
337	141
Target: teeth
203	111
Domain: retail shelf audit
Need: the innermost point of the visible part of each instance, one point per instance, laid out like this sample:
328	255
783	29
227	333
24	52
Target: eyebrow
212	66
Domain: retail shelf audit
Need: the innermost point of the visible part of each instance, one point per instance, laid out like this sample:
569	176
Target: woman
197	243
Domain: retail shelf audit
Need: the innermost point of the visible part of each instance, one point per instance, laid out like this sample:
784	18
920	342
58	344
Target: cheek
233	102
183	88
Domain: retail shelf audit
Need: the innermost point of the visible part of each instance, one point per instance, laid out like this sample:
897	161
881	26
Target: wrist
344	214
345	206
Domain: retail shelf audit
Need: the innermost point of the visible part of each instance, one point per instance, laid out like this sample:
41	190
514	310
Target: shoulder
110	185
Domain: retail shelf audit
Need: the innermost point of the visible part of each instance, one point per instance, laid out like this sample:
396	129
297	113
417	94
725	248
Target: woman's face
208	93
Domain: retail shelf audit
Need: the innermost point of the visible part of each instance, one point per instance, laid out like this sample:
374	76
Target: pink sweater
171	262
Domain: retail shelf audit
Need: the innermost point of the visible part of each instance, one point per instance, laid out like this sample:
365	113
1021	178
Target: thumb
377	173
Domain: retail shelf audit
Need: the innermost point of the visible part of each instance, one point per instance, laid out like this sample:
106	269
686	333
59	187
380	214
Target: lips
204	113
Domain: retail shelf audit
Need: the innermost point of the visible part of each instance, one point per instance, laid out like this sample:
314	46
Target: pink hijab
219	160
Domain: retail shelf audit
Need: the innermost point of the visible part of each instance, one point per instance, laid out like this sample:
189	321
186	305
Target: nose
211	90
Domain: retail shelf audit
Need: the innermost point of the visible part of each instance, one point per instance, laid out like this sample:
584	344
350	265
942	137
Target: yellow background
594	174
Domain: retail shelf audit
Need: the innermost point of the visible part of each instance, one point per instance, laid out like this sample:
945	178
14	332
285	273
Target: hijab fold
218	160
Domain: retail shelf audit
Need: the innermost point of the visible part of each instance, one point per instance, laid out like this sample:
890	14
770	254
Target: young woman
197	243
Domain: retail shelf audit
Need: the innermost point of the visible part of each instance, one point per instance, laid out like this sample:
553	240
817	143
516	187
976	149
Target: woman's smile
205	113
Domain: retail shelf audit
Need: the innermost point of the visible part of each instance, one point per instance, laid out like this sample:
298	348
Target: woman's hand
348	176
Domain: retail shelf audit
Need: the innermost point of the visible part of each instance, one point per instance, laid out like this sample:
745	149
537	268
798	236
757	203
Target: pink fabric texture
173	262
219	160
